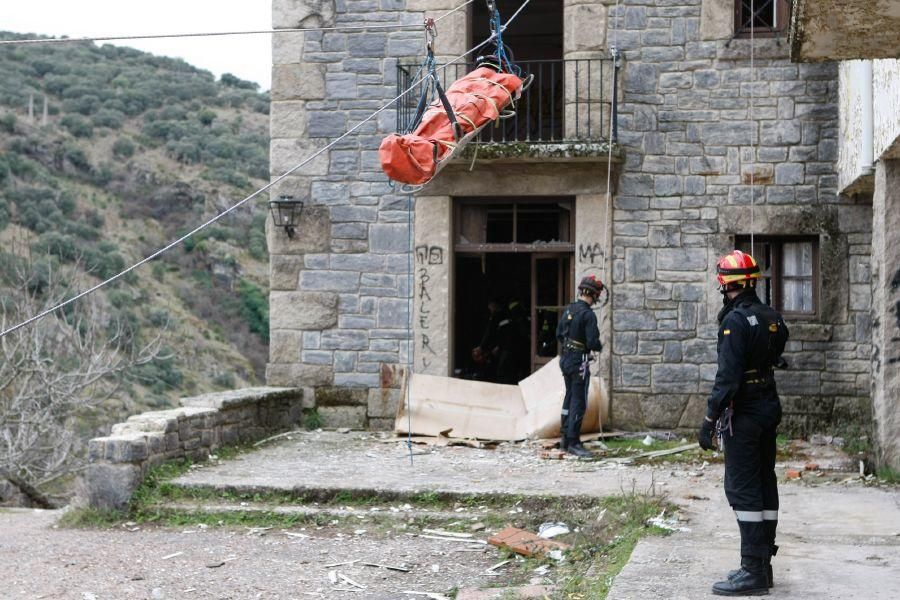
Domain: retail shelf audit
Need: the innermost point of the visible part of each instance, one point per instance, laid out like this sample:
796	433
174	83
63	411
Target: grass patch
602	549
888	475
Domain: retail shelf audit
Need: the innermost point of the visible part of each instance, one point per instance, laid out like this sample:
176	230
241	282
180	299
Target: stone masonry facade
340	308
691	145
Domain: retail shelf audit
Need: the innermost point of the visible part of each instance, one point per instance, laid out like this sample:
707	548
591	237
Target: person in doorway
744	410
578	336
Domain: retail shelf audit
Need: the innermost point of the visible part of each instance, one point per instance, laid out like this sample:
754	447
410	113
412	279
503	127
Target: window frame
776	276
782	20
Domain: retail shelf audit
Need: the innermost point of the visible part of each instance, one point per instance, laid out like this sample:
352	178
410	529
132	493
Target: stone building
862	35
712	149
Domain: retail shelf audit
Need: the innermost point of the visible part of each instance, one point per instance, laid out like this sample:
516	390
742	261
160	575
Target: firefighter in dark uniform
578	336
744	410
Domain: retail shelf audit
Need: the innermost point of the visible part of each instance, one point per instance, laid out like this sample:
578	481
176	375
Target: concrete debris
402	569
818	439
670	524
452	534
551	530
349	581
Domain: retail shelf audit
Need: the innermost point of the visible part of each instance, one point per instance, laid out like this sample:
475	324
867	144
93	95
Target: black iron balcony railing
569	101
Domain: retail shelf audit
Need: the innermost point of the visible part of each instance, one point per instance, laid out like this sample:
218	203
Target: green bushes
254	308
77	126
123	148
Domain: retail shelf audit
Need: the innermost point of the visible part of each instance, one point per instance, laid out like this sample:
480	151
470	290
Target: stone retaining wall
119	462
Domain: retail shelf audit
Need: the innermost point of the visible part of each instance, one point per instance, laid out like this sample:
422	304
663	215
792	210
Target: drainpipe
867	150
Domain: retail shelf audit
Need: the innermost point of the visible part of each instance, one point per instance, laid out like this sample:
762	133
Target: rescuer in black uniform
578	336
744	409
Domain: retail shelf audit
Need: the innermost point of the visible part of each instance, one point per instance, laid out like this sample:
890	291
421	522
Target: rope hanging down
265	188
162	36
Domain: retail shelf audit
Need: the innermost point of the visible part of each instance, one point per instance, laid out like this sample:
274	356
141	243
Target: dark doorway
513	269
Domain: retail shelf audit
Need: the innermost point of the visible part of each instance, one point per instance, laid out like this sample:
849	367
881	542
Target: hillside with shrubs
107	154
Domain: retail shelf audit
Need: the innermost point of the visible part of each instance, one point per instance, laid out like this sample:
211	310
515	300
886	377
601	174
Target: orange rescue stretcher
470	103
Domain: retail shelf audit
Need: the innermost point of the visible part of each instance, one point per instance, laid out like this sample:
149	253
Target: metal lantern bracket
286	213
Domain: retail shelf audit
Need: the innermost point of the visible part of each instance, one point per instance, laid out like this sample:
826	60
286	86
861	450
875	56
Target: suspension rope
607	226
753	129
160	36
265	188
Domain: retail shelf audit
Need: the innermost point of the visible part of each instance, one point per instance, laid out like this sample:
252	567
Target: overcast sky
248	57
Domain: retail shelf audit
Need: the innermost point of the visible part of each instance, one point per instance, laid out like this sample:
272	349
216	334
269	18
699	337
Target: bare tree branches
58	372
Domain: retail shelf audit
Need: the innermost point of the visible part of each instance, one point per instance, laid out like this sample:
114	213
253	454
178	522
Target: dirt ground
39	560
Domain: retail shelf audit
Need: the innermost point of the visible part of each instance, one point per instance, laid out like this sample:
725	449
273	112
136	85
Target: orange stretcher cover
477	98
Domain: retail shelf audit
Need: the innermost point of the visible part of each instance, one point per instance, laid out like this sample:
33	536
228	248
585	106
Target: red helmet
736	267
592	285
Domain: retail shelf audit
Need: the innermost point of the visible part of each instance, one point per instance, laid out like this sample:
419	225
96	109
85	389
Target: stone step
402	513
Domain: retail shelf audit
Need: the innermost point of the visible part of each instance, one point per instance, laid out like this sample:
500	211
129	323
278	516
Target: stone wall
340	289
118	462
690	137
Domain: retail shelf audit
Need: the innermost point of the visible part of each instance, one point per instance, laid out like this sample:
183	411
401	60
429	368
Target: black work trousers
751	486
574	405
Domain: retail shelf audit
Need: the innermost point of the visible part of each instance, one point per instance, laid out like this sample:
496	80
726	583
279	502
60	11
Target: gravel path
38	560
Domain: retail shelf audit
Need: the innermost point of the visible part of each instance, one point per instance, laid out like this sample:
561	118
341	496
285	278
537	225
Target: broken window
790	272
762	17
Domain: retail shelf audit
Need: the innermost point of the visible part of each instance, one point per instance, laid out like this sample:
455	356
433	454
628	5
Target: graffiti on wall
590	252
426	256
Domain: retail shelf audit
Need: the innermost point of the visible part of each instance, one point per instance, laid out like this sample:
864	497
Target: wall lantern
286	212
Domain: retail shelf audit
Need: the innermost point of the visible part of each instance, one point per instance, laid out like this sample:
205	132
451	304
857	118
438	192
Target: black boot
578	450
563	440
749	580
769	580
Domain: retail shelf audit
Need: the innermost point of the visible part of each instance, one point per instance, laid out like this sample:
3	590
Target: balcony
564	115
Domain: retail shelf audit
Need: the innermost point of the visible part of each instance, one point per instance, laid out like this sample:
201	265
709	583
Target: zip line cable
265	188
162	36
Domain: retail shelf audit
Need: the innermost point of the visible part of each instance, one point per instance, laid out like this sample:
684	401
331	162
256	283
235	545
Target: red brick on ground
524	542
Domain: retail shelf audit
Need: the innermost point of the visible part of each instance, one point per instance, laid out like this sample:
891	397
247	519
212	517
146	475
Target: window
513	224
790	272
763	17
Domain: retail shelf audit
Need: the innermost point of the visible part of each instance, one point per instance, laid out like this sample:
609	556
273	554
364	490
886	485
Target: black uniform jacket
577	324
752	337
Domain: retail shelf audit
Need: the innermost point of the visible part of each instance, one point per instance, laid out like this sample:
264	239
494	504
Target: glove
705	435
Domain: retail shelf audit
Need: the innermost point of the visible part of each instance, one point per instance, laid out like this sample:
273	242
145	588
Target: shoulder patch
773	327
752	320
726	332
570	316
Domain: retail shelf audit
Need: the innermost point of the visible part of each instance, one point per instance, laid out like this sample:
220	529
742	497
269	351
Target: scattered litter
498	565
601	515
542	570
333	577
359	531
648	441
258	530
215	565
450	539
670	524
441	532
295	535
525	543
792	474
435	568
551	530
342	564
173	555
429	595
556	555
388	567
349	581
286	434
552	454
